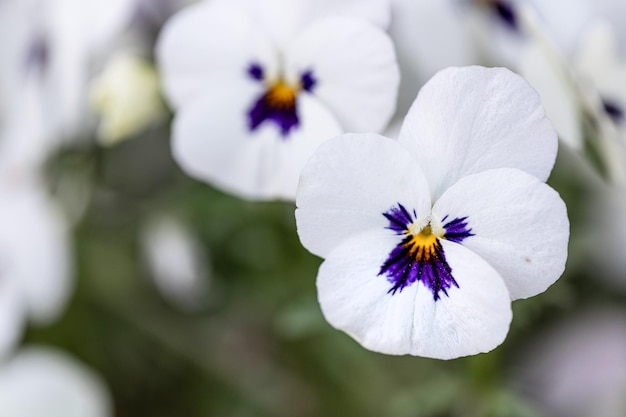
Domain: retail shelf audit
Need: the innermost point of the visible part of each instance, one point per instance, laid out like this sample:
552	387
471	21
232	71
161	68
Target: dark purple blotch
405	265
614	110
284	114
506	12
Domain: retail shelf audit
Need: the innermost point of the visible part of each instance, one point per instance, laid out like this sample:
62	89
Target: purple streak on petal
308	81
255	71
409	262
399	218
457	230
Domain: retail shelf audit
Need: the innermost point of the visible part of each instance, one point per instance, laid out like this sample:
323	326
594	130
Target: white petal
520	226
176	262
42	382
467	120
349	183
282	20
414	25
542	68
34	248
211	141
473	318
355	67
11	314
207	44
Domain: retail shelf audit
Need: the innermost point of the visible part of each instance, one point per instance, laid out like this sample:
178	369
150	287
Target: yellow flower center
281	95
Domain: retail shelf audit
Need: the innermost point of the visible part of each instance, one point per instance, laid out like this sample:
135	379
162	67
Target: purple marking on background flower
279	103
421	257
38	54
456	230
308	81
614	110
255	71
506	12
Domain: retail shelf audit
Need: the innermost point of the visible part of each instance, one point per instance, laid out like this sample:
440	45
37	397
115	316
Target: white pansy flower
126	96
41	382
258	85
427	239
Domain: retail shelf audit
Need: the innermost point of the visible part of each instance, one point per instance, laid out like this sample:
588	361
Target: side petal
519	224
349	183
208	43
468	120
473	318
355	68
211	141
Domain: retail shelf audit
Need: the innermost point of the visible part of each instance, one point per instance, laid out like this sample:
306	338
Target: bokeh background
182	300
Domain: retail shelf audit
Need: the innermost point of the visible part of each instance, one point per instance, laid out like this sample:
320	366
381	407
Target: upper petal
355	67
471	319
519	226
211	140
206	43
282	20
349	183
468	120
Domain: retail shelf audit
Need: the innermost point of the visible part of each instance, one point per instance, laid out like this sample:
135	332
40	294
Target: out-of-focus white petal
414	27
468	120
520	226
206	44
212	141
43	382
282	20
355	68
542	67
11	310
473	318
577	368
175	262
349	183
35	249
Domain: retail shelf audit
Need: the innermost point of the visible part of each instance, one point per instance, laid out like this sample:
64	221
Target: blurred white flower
35	258
176	262
578	368
126	96
257	85
432	34
427	239
43	382
48	46
589	84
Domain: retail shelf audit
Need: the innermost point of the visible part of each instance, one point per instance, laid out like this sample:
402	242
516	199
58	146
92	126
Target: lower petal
471	319
213	142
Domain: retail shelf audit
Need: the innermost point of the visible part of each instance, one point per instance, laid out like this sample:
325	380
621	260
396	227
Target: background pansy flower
257	86
427	239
